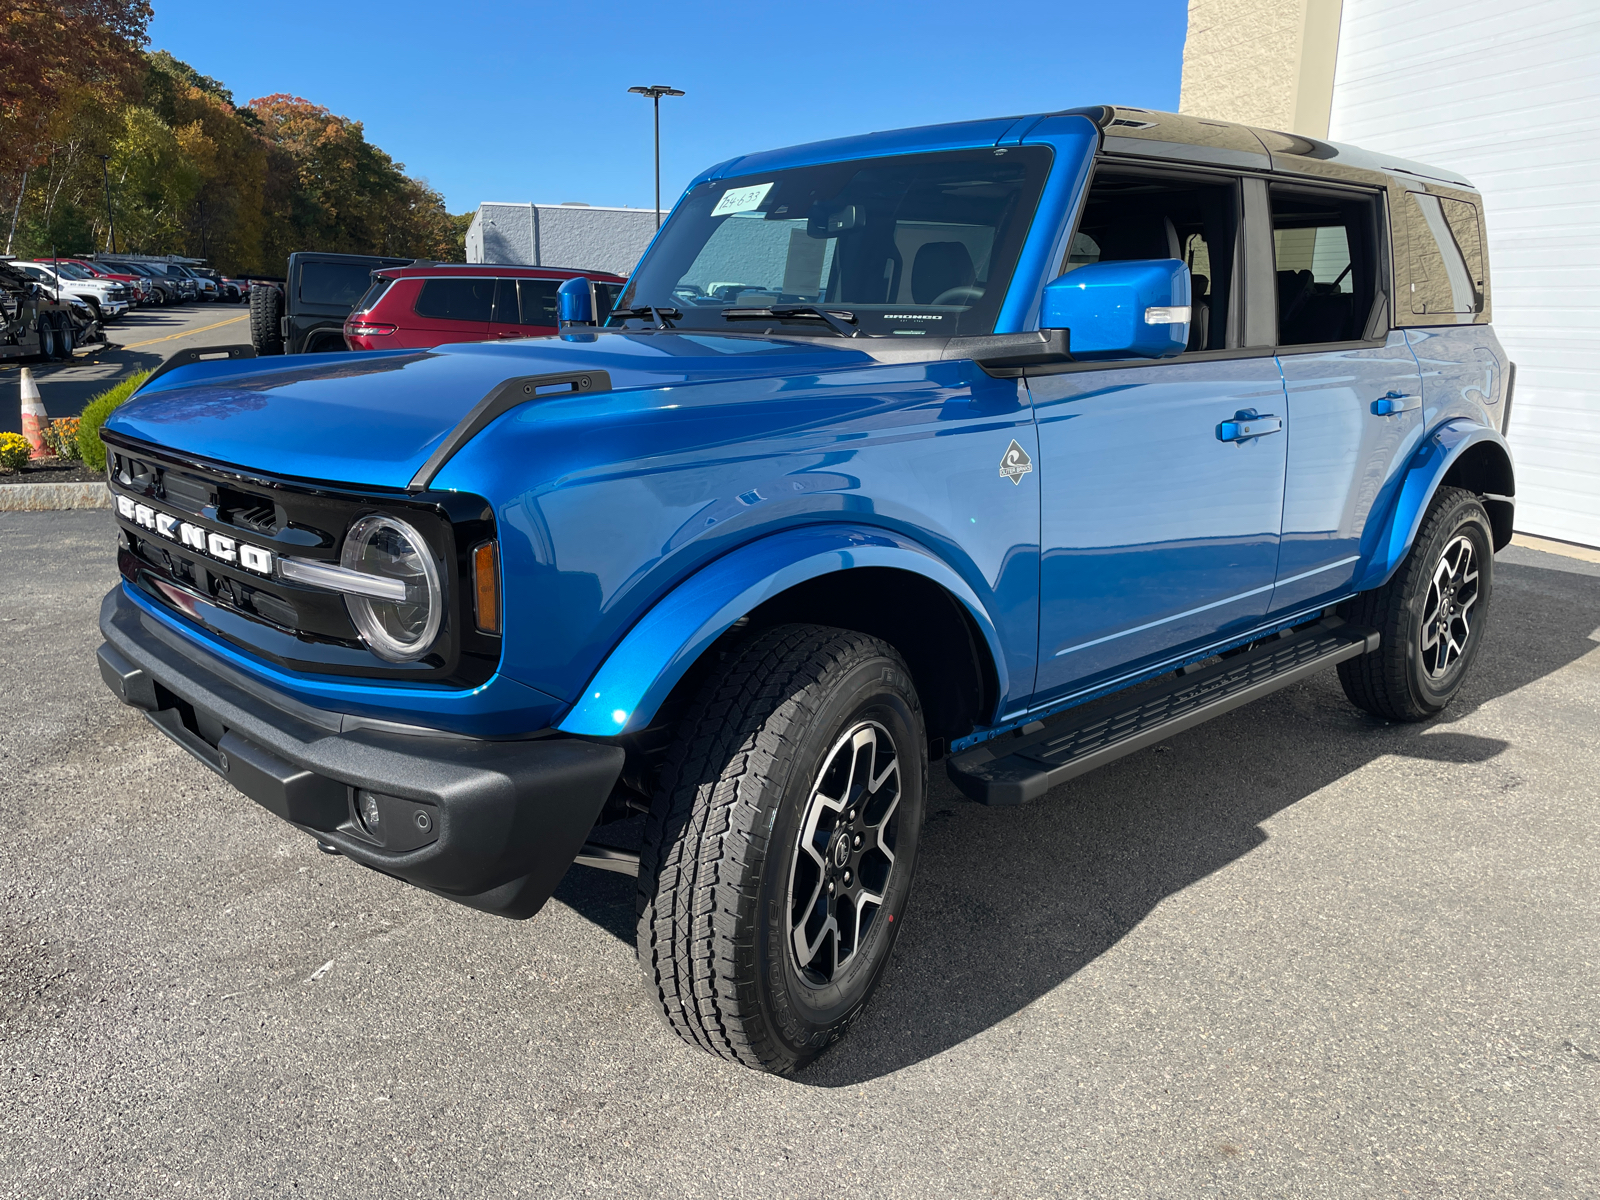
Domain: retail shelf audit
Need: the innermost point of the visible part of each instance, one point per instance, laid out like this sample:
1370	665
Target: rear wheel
47	338
779	850
65	338
1431	613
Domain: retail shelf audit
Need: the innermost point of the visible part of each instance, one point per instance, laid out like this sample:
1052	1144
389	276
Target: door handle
1393	402
1248	424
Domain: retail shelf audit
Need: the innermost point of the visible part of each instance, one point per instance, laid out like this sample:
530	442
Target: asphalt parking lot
1294	952
137	341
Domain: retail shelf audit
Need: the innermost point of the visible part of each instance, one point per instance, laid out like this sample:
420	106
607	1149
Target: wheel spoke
828	898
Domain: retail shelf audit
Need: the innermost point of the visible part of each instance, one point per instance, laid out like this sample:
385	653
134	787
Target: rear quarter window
374	294
1446	255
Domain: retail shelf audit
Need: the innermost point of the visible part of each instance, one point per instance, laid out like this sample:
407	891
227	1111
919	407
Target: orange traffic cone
33	416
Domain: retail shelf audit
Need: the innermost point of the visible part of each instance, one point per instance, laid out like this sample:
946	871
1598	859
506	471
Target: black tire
47	339
724	880
1432	614
66	339
266	308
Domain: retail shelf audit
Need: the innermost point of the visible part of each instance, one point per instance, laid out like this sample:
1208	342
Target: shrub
61	438
14	451
94	415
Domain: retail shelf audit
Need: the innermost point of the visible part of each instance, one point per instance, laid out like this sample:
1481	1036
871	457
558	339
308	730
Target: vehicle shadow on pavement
1010	903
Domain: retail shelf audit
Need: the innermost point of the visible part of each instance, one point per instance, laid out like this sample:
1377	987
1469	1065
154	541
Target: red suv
431	304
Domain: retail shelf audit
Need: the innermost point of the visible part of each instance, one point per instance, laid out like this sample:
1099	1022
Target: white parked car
106	297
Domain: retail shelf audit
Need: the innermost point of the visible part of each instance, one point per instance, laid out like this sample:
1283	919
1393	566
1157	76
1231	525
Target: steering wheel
956	295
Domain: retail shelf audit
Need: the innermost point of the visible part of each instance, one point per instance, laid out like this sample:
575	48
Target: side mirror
1121	309
575	302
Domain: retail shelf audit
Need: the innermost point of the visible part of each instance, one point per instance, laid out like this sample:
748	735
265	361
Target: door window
1143	216
539	302
1324	250
505	303
456	299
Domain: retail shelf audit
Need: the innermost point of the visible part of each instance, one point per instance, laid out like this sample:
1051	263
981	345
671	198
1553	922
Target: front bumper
491	824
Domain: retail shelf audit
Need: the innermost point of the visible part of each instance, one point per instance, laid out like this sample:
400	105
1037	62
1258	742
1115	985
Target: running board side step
1015	770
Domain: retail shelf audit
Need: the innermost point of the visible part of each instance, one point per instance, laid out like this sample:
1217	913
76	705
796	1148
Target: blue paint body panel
637	524
656	652
1156	536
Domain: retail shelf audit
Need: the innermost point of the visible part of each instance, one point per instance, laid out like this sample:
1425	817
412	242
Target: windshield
910	246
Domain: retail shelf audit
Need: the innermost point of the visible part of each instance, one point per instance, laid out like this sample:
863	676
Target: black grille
294	626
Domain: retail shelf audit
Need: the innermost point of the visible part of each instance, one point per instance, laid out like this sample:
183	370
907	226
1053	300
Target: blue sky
530	102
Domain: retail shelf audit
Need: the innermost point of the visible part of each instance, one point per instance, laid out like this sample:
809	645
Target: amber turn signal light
486	586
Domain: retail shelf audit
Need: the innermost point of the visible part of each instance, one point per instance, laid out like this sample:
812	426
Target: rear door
1354	392
454	309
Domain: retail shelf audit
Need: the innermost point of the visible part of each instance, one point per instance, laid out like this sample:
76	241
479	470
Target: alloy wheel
1447	614
845	854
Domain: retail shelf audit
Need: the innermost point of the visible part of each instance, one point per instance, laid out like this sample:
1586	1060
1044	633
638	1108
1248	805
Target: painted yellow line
185	333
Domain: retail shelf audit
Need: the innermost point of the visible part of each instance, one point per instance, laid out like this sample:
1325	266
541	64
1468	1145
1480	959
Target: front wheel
779	850
1431	613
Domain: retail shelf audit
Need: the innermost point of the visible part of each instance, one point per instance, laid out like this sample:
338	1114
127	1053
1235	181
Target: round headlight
396	630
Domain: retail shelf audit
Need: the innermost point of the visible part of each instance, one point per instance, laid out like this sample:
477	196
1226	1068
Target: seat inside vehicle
1323	246
940	267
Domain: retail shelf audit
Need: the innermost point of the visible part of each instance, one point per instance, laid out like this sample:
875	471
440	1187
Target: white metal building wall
1509	95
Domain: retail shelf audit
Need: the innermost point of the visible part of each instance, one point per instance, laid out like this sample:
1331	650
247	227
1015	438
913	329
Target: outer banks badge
1016	463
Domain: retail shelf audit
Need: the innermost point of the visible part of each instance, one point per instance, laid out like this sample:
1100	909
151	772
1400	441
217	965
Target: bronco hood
372	419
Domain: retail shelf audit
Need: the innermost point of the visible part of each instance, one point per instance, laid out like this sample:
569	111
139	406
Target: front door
1162	496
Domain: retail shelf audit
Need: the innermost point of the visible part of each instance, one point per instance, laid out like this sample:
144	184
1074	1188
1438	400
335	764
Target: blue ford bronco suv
1014	444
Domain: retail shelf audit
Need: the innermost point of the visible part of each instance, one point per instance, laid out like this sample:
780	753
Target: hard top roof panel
1137	132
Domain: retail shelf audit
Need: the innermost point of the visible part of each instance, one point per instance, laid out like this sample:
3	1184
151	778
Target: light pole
111	222
655	92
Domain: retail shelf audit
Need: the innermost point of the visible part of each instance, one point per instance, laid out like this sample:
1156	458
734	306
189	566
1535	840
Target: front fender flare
624	694
1439	451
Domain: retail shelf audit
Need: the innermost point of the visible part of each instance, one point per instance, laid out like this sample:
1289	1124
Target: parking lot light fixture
655	91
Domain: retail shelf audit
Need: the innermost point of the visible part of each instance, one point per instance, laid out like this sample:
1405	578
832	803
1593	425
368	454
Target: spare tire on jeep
266	313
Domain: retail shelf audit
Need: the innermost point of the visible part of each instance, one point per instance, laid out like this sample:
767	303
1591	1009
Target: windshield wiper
843	322
647	312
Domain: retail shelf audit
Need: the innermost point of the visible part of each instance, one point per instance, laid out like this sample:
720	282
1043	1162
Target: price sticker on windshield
744	199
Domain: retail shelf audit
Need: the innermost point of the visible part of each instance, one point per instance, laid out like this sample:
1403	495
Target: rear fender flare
1439	451
636	677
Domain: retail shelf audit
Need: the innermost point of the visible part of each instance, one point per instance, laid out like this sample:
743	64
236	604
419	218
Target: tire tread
1379	683
699	869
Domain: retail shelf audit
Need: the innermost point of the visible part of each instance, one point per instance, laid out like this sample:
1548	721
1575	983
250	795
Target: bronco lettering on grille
214	545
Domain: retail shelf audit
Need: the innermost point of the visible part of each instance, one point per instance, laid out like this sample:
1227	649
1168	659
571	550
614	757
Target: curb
46	497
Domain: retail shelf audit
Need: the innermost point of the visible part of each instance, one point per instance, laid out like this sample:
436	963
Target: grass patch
94	415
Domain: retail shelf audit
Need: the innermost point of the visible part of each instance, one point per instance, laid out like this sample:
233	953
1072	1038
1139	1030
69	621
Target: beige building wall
1262	62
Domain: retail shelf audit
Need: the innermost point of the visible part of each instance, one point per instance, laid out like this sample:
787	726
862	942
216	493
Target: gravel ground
1295	952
